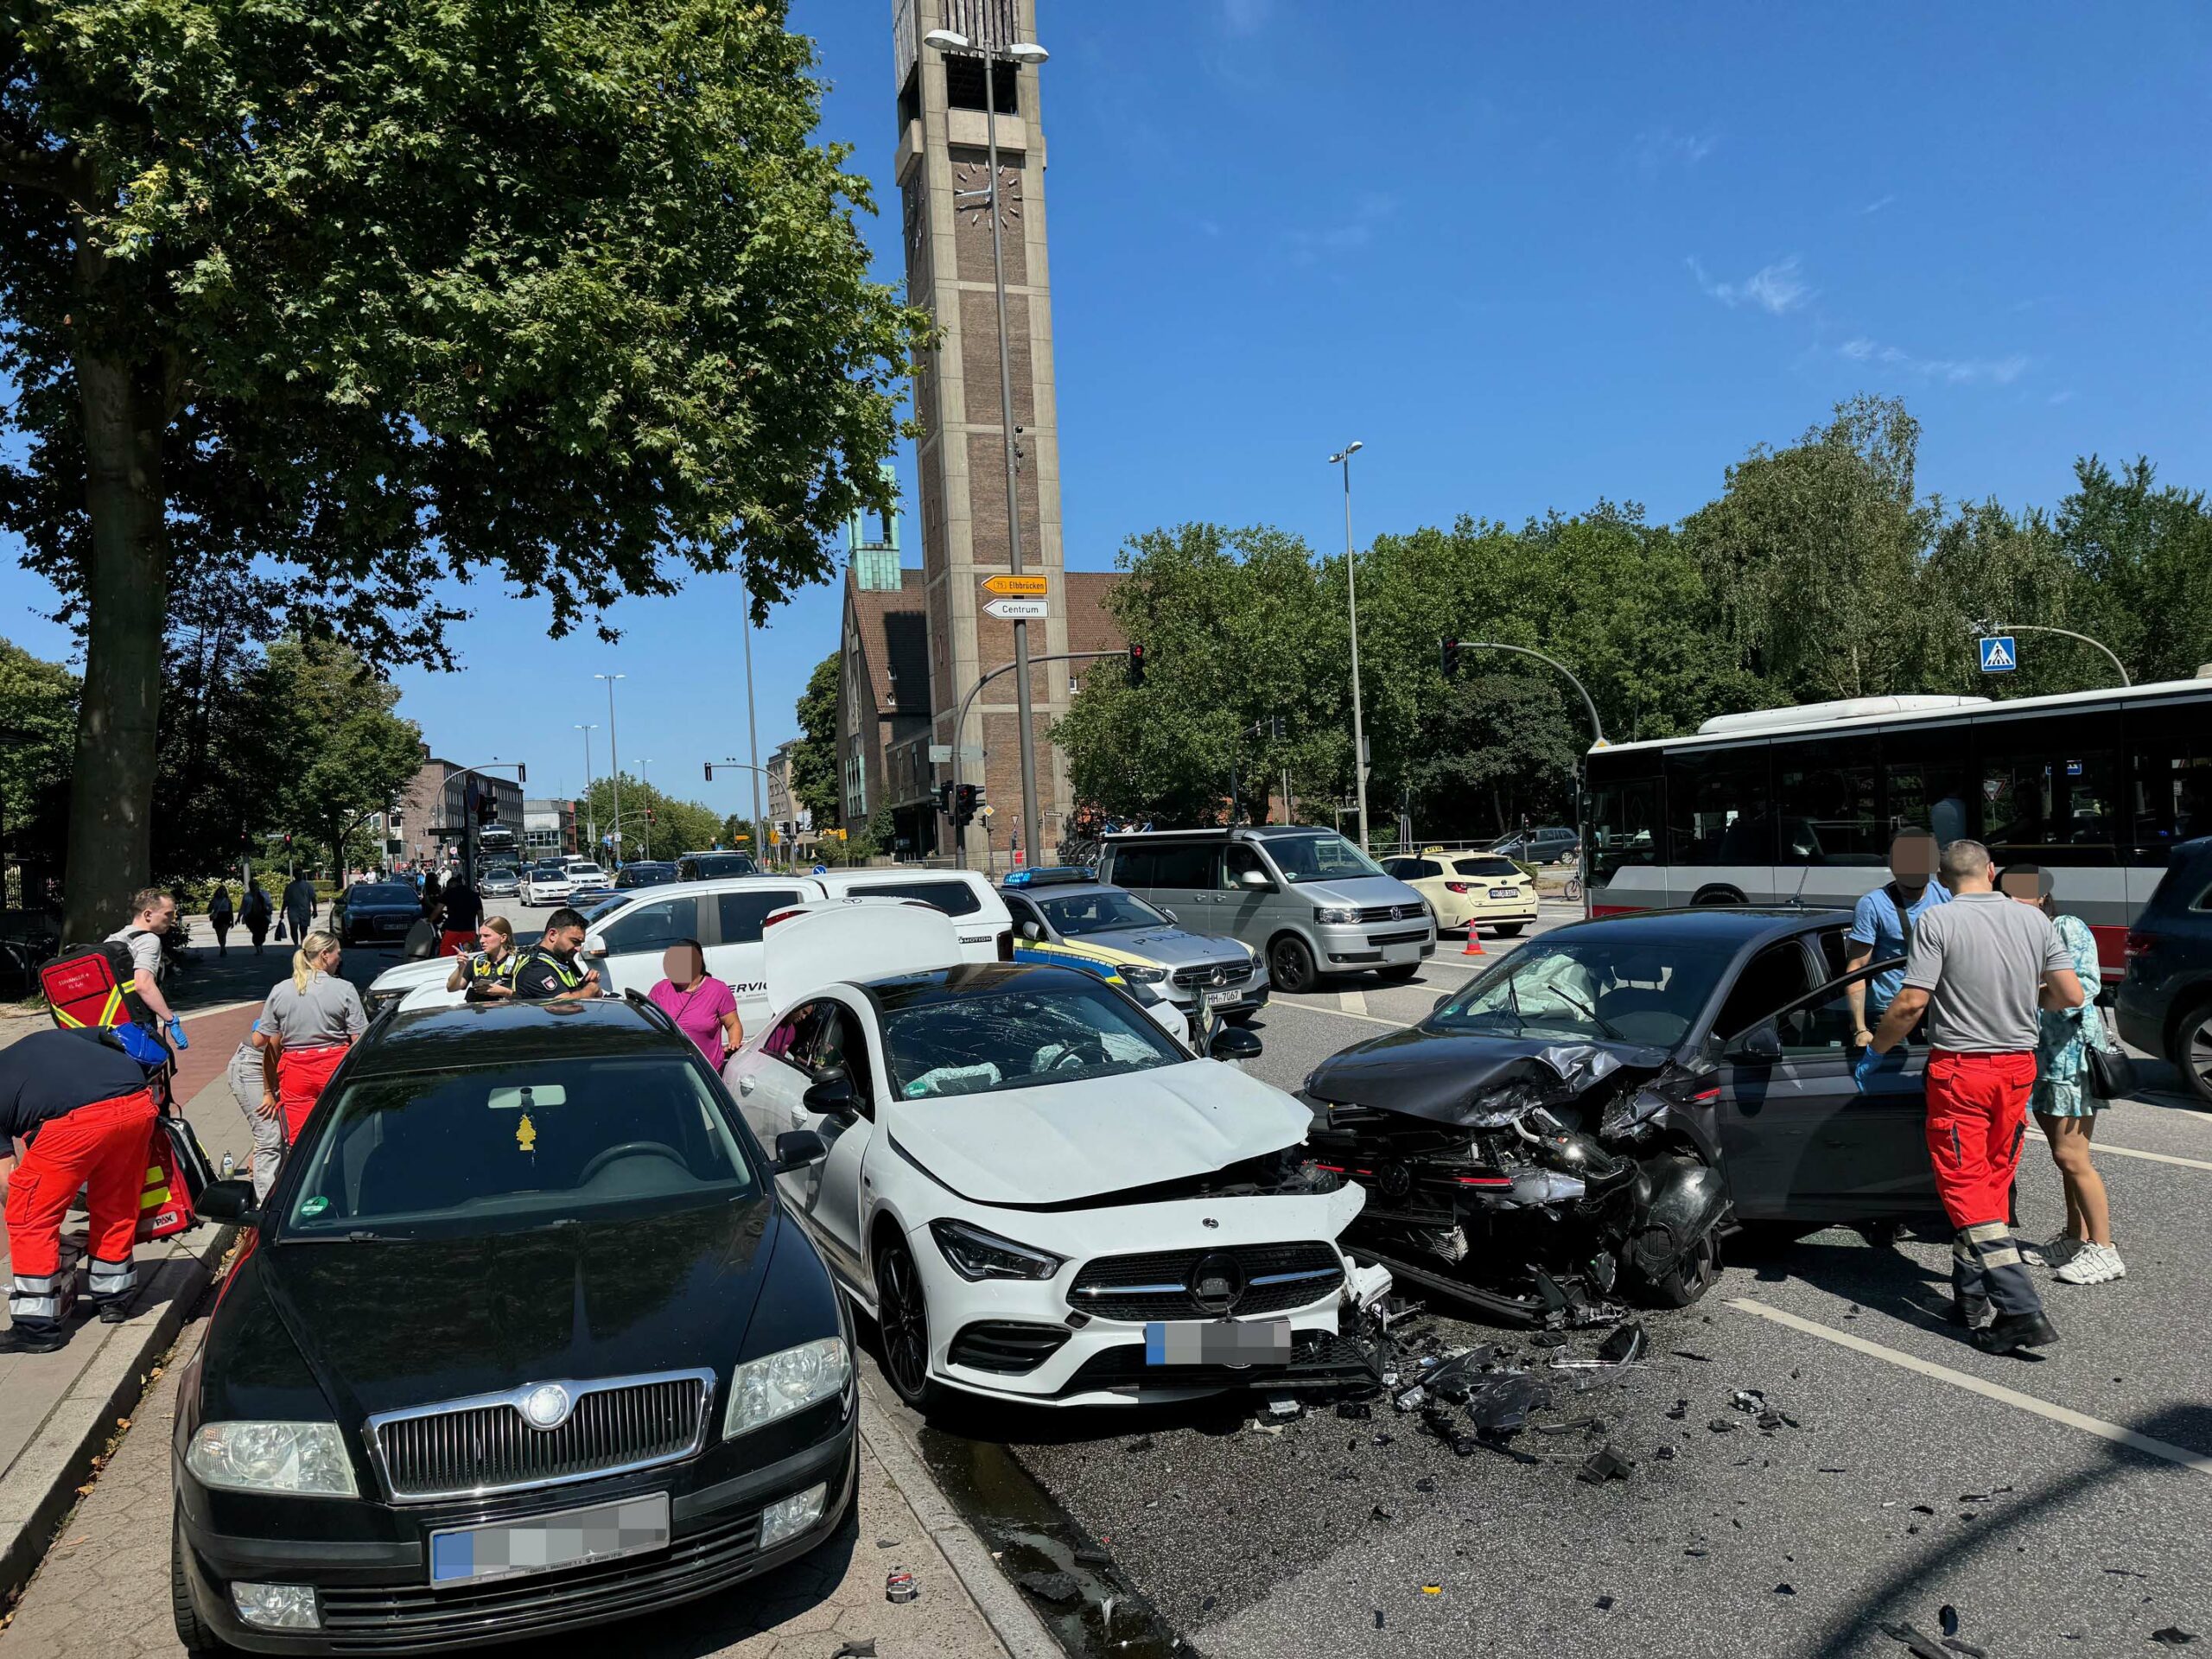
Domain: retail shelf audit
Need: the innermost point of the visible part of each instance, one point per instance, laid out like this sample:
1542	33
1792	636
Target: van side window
1184	864
953	898
1239	859
743	912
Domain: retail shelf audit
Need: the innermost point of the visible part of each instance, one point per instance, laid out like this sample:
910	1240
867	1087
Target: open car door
1803	1141
839	941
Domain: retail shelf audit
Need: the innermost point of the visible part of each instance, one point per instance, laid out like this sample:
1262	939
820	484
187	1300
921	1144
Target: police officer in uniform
547	971
487	973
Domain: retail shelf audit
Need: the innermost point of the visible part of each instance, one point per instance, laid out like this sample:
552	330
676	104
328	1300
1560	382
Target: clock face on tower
976	176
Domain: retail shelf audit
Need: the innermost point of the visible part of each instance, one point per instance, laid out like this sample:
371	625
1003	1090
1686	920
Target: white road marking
1997	1391
2096	1146
1352	1003
1336	1013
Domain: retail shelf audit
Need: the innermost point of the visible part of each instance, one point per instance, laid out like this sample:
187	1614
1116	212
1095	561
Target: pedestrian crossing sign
1998	656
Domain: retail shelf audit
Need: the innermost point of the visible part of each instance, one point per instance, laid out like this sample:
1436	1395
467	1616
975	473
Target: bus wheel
1718	896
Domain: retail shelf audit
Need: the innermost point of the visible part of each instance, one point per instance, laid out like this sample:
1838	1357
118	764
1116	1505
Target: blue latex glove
1870	1064
176	1034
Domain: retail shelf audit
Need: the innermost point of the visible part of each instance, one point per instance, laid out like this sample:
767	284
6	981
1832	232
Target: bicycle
1572	890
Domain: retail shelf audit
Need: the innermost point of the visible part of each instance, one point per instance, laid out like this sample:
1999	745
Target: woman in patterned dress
2065	1106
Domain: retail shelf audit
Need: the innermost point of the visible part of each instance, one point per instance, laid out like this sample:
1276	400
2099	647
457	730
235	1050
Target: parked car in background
1550	843
374	913
645	872
1307	899
499	881
710	867
623	1378
2165	1001
1470	889
547	882
590	885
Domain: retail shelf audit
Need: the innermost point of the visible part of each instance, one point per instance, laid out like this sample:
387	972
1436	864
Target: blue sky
1529	255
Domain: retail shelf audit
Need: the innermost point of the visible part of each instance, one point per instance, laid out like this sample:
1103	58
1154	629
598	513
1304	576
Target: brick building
432	808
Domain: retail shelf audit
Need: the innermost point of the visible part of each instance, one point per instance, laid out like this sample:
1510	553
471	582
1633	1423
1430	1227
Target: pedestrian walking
220	916
464	914
430	890
254	910
88	1111
423	939
703	1007
306	1026
487	973
264	1116
1979	967
299	906
2064	1104
1881	925
153	912
547	971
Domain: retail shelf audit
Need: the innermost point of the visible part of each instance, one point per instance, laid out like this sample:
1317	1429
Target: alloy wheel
1290	964
902	1314
2195	1054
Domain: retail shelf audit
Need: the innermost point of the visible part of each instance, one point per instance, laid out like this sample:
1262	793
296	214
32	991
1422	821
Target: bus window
1624	826
2171	789
2046	796
1719	810
1926	784
1828	812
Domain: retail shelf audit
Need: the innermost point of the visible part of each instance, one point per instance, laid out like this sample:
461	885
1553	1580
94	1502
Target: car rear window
1490	869
384	895
953	898
713	867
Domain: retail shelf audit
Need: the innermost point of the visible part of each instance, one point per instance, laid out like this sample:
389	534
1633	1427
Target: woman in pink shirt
703	1007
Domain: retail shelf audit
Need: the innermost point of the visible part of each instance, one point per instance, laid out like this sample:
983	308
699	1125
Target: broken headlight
975	1255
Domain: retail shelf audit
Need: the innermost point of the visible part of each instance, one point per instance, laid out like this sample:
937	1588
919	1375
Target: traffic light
487	810
945	799
965	804
1136	664
711	770
1448	652
649	815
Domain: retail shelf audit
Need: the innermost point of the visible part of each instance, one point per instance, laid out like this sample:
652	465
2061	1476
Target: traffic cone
1474	941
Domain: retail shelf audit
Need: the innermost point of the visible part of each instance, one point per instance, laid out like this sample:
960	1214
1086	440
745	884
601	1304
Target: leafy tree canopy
814	756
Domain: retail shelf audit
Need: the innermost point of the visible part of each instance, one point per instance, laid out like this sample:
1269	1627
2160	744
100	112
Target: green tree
677	826
1990	564
340	751
814	756
2145	557
38	723
332	301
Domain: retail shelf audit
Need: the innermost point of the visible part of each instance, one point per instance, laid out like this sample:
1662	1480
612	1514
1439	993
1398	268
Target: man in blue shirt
1881	927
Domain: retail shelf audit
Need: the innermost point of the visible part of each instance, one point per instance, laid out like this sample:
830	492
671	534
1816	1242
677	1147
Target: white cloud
2057	397
1876	206
1662	147
1776	289
1346	236
1949	371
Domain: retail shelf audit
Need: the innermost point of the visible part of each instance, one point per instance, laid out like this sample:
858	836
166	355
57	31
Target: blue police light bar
1051	875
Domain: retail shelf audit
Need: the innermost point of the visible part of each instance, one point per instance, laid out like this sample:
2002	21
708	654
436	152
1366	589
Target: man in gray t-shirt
1979	967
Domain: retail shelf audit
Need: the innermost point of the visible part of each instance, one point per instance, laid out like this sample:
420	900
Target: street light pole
1343	458
644	768
2037	627
1017	52
1598	737
591	813
753	734
614	764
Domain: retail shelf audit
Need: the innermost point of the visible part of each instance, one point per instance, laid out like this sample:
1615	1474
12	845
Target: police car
1067	917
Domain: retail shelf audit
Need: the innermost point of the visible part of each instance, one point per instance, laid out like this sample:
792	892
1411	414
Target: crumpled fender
1687	1200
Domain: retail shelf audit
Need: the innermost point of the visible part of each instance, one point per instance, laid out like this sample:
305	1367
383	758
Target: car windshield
499	1148
1318	858
383	893
1016	1038
1100	910
709	866
644	875
1648	994
606	907
586	873
1504	867
547	869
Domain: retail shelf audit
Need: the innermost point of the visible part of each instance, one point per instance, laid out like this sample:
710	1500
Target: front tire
1697	1273
2192	1052
192	1631
1290	965
902	1319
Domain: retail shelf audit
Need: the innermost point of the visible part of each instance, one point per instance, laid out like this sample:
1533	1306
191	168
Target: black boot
2012	1332
1970	1312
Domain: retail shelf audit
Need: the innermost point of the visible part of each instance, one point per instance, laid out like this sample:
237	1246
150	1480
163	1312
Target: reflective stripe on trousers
36	1298
1986	1267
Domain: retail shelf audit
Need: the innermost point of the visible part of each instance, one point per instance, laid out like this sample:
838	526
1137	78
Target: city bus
1798	805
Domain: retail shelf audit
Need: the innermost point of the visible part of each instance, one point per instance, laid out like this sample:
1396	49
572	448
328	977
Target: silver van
1307	900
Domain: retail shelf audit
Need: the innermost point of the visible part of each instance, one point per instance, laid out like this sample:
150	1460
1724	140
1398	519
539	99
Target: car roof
480	1033
1722	924
938	986
1216	832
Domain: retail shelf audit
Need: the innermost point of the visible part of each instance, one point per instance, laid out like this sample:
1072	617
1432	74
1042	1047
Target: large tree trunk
126	599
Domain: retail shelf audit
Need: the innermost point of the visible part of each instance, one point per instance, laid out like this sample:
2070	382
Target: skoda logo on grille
546	1406
1217	1282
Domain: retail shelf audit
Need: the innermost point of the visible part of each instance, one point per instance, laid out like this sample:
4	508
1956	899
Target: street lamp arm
960	724
2119	667
1596	727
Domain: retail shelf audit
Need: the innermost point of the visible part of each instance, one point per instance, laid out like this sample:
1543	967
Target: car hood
406	976
1364	892
458	1317
1170	945
1057	1143
1448	1076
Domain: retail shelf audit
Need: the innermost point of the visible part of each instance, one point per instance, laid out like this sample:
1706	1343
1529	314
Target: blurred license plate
1255	1342
1505	893
546	1542
1215	996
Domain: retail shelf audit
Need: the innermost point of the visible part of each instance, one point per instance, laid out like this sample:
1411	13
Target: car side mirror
832	1097
1033	932
594	948
796	1149
1437	1006
231	1201
1254	880
1169	915
1234	1043
1760	1045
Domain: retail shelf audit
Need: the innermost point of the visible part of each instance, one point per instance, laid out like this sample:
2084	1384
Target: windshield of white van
1318	858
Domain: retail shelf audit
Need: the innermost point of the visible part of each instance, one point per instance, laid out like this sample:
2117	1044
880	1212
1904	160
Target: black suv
2165	1001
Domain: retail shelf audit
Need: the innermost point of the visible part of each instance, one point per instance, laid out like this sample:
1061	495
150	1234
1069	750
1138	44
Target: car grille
1156	1285
1392	912
412	1618
1318	1359
487	1445
1418	936
1232	973
1005	1346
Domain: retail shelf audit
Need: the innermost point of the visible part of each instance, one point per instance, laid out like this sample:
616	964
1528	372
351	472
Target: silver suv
1307	900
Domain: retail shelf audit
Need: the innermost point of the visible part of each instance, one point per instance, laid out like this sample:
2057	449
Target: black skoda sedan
522	1341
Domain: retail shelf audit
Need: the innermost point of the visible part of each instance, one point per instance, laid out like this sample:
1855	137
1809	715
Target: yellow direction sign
1016	587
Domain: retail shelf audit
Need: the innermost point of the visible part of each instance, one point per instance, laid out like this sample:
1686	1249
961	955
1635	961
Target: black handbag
2112	1074
192	1160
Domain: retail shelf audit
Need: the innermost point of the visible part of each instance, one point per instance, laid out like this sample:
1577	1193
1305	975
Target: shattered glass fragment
1502	1403
1607	1463
1626	1344
1604	1268
1575	1427
2173	1636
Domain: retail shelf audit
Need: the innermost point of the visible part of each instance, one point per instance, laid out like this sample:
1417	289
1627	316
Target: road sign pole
960	724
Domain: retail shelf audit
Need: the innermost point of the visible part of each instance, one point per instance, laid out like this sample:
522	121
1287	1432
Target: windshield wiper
1590	1014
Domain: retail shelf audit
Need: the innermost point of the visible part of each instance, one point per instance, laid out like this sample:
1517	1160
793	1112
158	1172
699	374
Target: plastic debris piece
1679	1410
1923	1647
1285	1406
1607	1463
1604	1604
1092	1556
1381	1513
899	1586
1750	1401
1699	1554
2173	1636
1947	1617
1501	1404
2116	1572
1424	1485
1358	1411
863	1648
1059	1588
1785	1588
1411	1398
1432	1589
1721	1426
1684	1353
1378	1618
1770	1419
1665	1454
1967	1648
1549	1339
1626	1344
1829	1469
1922	1509
1142	1443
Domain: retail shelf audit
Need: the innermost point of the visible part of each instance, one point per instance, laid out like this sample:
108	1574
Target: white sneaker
2093	1264
2060	1251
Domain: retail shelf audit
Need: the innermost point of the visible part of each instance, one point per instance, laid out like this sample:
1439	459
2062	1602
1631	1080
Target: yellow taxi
1470	889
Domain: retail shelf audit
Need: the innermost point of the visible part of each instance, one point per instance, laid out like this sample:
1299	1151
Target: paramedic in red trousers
1980	967
306	1027
88	1111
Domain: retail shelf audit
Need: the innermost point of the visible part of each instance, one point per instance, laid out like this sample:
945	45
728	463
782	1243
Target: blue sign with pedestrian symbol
1998	656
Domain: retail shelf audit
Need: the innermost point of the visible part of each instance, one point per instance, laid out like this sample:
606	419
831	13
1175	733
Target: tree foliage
328	302
38	726
814	756
677	826
338	751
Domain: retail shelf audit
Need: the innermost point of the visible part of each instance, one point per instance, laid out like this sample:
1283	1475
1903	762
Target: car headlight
762	1390
1138	973
1335	916
977	1255
303	1460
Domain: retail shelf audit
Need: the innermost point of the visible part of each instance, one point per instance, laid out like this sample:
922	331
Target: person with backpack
87	1108
254	912
1881	925
153	912
220	916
